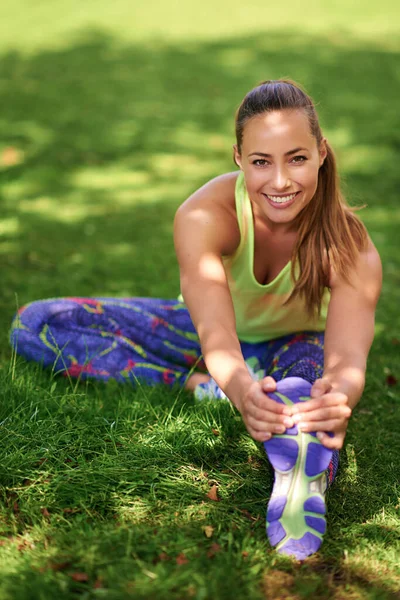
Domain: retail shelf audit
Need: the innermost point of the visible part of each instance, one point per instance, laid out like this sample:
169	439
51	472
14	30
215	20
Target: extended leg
126	339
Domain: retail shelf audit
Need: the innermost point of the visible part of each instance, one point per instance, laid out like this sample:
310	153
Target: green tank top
260	312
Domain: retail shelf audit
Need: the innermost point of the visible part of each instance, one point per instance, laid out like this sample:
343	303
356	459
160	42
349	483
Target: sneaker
296	510
211	390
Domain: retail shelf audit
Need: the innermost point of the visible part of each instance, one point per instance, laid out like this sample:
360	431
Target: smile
281	199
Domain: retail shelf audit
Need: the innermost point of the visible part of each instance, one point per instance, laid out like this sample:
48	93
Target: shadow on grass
107	139
124	477
100	143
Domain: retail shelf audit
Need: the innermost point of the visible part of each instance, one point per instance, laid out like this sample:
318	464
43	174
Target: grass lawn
111	115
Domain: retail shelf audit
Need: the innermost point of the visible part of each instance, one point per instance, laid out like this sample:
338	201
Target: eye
299	159
260	162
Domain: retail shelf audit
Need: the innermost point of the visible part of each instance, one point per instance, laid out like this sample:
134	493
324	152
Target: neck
274	229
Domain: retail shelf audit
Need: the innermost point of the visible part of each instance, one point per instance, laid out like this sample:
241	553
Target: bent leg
126	339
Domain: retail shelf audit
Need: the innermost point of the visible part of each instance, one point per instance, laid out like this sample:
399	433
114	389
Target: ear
323	151
236	156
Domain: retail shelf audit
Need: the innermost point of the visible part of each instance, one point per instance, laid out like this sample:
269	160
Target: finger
324	413
259	436
320	386
324	401
262	401
268	416
335	443
263	425
268	384
331	425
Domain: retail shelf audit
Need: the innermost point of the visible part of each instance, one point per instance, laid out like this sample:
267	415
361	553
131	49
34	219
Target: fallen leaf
245	554
391	380
162	557
181	559
208	530
98	584
215	432
213	493
79	576
214	548
248	515
45	512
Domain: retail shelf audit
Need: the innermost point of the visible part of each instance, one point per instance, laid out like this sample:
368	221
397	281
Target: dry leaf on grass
213	493
215	432
391	380
248	515
214	549
181	559
98	584
162	557
208	530
79	576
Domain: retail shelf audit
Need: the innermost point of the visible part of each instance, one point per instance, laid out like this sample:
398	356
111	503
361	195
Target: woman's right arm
205	230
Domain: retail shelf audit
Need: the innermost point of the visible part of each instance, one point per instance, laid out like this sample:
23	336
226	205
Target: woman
280	282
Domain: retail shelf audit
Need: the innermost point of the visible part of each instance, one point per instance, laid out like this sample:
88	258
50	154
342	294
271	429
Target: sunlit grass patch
111	491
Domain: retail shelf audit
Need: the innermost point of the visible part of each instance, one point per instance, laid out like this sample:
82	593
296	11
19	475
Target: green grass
109	120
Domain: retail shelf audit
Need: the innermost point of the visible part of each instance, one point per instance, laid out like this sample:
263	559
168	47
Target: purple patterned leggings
142	339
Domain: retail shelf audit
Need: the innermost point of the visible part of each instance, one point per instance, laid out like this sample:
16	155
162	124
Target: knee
32	317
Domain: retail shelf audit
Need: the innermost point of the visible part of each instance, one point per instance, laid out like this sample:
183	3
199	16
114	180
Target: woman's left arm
348	338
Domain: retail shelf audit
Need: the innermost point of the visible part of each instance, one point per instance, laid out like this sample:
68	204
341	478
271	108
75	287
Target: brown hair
329	233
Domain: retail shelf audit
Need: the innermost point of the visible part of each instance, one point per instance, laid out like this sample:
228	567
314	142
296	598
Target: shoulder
219	191
211	212
365	276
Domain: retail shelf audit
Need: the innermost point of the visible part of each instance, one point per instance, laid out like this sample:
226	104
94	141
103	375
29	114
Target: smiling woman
280	282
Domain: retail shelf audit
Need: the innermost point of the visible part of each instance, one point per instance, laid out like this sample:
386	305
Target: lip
281	206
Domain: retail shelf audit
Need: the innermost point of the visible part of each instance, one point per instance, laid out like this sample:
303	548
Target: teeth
281	199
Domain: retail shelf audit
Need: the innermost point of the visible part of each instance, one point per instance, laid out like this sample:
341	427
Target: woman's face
280	159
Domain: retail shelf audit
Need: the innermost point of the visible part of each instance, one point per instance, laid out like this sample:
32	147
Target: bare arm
348	338
350	326
205	230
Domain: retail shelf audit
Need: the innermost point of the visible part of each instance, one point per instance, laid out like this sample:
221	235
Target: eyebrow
289	153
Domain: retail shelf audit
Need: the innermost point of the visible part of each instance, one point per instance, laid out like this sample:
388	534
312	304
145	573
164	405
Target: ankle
195	379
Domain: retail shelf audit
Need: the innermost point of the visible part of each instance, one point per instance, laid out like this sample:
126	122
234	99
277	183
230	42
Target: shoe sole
296	511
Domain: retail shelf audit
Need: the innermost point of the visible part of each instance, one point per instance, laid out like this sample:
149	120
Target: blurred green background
111	114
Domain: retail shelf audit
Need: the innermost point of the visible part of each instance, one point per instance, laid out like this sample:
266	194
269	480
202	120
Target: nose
281	179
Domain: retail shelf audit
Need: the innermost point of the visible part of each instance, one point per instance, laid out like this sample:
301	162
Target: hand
262	415
327	411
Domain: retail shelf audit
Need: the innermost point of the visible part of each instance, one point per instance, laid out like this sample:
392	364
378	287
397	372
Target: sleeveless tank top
260	310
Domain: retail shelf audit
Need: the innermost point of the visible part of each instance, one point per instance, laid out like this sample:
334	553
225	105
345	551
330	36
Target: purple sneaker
295	517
